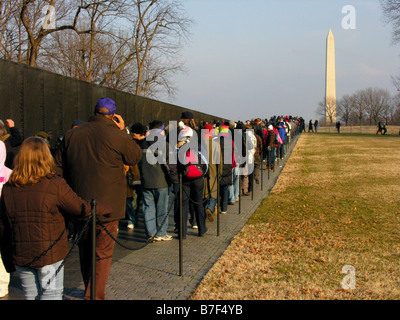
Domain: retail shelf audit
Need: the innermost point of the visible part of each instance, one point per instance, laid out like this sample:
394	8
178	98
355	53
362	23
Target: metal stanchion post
218	202
253	182
262	175
93	258
180	226
273	150
240	194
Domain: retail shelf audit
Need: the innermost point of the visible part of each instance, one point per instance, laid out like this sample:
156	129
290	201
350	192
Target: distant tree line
130	45
367	107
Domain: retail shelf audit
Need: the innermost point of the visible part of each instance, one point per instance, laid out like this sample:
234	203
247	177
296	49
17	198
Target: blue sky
258	58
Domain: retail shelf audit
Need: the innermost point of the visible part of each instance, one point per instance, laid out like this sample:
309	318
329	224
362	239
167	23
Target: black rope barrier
94	220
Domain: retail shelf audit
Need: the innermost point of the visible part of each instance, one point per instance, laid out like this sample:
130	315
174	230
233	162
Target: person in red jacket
33	235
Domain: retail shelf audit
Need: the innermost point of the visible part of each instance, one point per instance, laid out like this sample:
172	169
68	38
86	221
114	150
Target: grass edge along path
330	228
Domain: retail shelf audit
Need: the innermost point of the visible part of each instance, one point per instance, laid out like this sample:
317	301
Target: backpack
194	166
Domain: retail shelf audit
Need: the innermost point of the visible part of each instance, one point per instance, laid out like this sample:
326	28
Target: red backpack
193	167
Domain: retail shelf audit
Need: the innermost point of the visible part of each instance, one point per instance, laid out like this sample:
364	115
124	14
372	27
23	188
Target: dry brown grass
336	203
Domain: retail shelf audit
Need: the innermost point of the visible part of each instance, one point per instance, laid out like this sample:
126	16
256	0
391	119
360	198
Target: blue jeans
155	211
234	188
130	210
34	279
271	157
282	149
211	204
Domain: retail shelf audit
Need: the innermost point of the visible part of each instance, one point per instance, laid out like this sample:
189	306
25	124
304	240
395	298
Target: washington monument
330	90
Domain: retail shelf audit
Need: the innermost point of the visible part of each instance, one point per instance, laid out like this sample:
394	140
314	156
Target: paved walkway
152	272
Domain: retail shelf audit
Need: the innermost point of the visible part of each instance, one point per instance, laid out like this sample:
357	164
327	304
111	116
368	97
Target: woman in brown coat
32	226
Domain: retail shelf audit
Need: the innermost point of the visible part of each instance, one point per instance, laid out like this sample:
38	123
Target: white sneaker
164	238
130	225
167	238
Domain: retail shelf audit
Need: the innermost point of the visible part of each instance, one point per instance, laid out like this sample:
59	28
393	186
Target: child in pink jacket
4	174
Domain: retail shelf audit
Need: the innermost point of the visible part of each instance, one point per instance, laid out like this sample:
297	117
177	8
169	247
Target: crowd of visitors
145	168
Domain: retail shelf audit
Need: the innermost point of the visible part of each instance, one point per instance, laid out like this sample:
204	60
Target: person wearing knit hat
185	133
45	136
187	115
209	127
223	128
187	119
192	187
138	129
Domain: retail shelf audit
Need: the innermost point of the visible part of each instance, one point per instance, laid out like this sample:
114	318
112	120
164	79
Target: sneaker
223	212
130	225
195	227
164	238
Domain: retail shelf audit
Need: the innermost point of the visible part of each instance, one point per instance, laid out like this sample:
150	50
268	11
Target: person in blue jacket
282	134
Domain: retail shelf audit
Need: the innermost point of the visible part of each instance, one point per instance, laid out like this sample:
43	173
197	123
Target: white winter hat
186	132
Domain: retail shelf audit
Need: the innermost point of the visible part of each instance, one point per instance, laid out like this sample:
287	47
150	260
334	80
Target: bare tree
84	48
360	106
159	29
131	45
44	17
391	12
376	100
327	109
346	107
12	36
